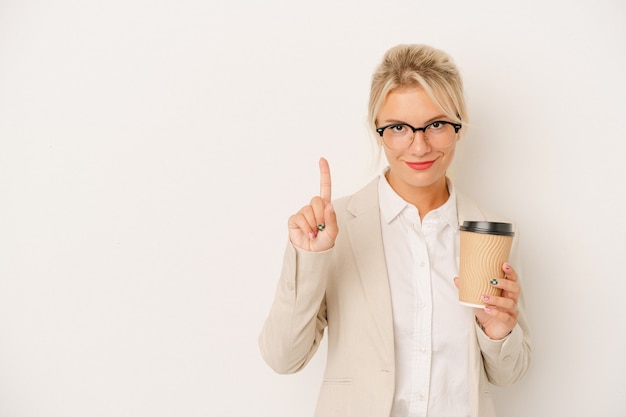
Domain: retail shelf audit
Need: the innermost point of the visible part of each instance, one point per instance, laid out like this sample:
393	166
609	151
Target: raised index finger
324	180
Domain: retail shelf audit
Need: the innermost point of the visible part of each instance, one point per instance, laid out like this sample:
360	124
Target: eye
398	129
436	125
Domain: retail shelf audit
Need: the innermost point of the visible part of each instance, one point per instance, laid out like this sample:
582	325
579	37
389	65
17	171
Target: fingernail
311	235
332	209
485	298
488	309
493	282
507	266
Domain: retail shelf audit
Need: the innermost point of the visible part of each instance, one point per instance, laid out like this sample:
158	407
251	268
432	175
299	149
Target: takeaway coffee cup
485	246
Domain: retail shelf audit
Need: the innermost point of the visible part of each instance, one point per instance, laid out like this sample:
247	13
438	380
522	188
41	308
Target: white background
151	152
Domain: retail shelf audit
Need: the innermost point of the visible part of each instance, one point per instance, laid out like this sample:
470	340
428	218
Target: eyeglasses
439	133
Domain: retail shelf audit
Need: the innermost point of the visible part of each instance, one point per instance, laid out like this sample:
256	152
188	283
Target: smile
420	166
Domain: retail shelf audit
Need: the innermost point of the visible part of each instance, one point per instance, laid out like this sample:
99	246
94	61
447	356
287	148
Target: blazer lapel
365	236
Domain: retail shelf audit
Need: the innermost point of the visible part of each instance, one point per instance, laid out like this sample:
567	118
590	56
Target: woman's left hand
499	316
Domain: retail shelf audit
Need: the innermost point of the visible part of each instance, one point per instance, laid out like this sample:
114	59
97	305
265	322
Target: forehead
408	104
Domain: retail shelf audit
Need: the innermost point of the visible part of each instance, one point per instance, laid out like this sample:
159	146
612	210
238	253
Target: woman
378	269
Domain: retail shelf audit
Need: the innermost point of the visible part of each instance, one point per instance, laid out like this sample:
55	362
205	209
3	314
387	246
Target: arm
507	360
297	319
504	336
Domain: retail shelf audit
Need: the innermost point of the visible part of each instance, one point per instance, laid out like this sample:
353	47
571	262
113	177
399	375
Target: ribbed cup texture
482	256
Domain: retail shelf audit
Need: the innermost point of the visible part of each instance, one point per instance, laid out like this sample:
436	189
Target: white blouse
430	326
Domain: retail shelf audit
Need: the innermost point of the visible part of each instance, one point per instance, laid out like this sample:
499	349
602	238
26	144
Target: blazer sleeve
295	325
506	361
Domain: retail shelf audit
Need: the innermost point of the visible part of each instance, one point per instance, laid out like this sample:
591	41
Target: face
420	167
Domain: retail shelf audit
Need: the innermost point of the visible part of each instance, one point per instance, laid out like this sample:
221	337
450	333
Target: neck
426	198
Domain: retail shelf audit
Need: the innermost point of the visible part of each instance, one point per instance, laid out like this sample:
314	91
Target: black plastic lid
490	228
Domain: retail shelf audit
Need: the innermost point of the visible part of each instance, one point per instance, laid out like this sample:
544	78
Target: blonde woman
377	270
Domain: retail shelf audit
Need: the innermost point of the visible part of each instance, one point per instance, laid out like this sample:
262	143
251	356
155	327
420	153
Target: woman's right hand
305	225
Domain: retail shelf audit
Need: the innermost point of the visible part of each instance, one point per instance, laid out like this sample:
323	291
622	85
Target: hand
303	226
499	316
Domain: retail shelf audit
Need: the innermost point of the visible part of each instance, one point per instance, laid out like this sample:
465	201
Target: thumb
331	220
457	282
326	238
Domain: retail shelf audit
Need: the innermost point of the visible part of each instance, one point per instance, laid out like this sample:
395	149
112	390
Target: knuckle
510	286
510	304
511	277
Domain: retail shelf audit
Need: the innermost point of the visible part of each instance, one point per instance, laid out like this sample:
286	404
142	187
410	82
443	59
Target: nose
420	145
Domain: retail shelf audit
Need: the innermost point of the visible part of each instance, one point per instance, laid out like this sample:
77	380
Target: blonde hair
422	66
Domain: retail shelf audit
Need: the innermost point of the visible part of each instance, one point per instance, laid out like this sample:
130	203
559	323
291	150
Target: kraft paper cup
485	246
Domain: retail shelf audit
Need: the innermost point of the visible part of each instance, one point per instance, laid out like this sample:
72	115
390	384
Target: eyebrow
442	117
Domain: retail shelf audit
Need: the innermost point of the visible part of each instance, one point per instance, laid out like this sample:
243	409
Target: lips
419	166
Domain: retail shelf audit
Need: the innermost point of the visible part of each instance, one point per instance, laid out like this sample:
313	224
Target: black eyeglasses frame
456	126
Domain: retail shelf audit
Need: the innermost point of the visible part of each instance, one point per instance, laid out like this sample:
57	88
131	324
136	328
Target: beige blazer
346	290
